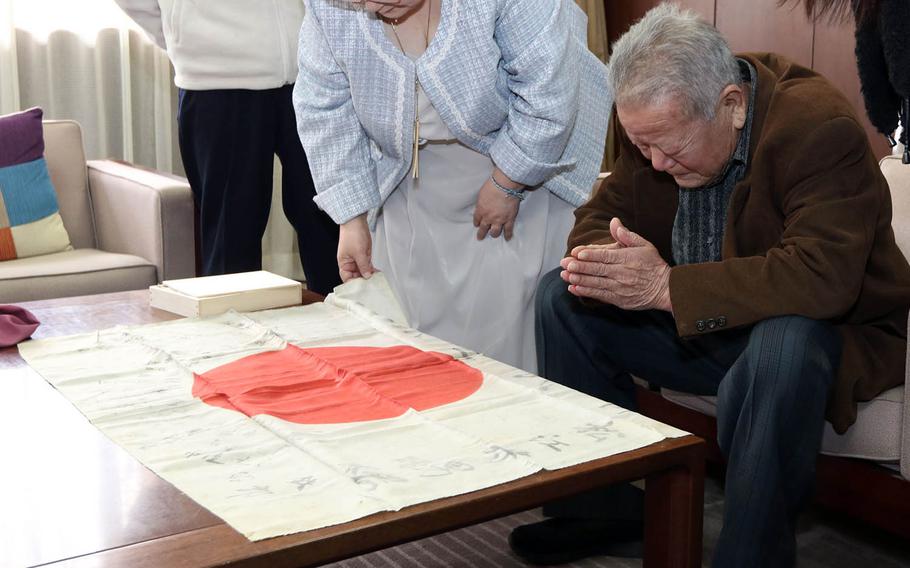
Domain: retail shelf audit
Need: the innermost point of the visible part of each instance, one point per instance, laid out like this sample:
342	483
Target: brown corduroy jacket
808	232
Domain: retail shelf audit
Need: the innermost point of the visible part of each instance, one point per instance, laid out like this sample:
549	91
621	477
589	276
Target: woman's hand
495	211
355	249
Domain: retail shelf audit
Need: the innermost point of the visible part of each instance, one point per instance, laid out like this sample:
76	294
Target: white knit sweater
224	44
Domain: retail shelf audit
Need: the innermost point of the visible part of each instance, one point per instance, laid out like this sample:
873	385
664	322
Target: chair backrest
898	176
66	163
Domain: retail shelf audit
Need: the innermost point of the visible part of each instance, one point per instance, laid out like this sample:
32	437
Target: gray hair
672	53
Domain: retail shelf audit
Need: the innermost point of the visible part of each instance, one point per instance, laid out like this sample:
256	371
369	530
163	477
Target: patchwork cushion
30	222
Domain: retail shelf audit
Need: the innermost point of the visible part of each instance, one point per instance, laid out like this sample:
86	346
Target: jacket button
700	325
721	321
711	323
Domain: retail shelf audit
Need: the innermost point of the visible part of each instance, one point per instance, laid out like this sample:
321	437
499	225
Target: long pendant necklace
415	172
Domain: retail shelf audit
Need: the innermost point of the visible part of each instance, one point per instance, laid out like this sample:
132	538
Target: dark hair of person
838	10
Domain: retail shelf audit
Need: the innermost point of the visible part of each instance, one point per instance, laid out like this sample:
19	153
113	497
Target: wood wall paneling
621	14
760	25
704	8
834	58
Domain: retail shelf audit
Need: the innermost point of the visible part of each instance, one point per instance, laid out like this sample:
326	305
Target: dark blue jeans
771	381
228	141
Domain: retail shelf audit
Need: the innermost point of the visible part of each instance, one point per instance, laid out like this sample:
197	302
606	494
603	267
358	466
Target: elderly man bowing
741	248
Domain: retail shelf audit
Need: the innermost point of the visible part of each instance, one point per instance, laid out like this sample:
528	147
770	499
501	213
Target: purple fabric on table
16	324
21	137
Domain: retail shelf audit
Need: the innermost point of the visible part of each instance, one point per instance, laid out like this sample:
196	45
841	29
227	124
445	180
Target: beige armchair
129	227
866	471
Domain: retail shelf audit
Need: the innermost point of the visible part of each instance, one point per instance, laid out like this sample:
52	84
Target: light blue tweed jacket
512	79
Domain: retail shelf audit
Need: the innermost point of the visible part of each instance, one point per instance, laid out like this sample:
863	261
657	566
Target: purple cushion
16	324
23	137
30	221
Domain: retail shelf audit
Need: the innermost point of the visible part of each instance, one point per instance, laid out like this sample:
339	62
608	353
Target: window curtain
87	61
280	253
597	27
599	44
100	73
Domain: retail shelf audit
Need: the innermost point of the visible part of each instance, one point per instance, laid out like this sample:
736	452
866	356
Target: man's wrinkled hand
629	273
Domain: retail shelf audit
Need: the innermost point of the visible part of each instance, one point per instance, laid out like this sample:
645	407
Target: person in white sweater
235	66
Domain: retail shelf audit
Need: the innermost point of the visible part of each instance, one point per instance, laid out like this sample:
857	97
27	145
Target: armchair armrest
144	213
905	423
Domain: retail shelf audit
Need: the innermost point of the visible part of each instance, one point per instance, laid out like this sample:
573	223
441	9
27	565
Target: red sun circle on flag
332	385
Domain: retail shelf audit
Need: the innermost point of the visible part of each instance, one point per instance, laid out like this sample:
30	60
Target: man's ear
734	99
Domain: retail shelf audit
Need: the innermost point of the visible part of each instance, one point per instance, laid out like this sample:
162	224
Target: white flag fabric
300	418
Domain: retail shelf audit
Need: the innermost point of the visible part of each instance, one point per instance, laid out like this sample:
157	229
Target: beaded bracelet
518	194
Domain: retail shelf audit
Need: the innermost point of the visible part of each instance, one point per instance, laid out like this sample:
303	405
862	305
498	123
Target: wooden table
70	497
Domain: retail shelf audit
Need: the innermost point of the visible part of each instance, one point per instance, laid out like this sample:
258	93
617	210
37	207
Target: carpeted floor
825	541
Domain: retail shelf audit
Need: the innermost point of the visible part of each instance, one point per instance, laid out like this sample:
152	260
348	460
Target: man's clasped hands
628	273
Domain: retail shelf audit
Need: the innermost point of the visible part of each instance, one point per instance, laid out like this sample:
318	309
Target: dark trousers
771	380
228	140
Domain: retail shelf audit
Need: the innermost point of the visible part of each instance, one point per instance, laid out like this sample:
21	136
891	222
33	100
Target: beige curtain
115	84
280	253
599	44
597	27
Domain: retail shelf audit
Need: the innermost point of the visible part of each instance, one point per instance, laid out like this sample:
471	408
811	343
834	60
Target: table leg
674	504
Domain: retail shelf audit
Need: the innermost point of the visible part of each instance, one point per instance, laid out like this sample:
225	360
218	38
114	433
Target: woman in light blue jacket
451	140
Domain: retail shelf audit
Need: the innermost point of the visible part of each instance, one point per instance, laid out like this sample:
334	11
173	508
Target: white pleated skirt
476	294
